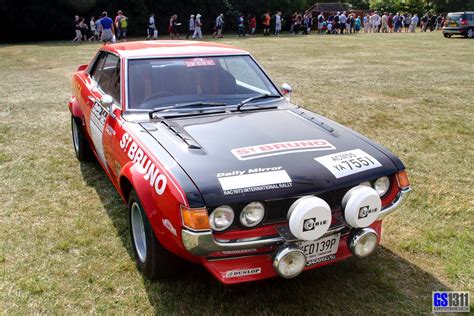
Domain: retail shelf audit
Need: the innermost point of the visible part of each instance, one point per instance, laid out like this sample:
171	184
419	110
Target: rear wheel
470	33
447	35
81	145
152	259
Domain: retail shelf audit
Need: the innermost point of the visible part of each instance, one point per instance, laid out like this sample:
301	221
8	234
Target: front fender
162	211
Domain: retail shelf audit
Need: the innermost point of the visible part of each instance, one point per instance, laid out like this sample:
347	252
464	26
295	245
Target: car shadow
381	283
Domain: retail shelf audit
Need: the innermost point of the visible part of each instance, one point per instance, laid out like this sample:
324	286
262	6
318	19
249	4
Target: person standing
173	27
121	23
266	19
197	27
414	23
384	23
253	24
93	29
335	25
107	28
320	22
77	29
240	25
219	26
84	29
407	22
191	26
151	27
390	22
377	22
278	22
357	24
342	22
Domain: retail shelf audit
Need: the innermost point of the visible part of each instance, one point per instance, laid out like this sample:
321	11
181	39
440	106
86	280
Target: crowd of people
101	28
105	29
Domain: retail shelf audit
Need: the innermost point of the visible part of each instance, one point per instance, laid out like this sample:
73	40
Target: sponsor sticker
283	148
348	162
254	180
450	302
144	165
199	62
241	273
320	260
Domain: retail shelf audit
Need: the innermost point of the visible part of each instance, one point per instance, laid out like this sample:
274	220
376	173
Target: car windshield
155	83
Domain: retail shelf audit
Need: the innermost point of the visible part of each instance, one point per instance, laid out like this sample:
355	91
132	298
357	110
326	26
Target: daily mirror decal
283	148
254	180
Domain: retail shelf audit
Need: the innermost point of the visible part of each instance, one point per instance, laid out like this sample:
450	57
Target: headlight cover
382	185
252	214
221	218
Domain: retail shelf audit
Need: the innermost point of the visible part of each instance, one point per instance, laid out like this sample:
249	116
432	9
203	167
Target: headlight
289	262
252	214
382	185
221	218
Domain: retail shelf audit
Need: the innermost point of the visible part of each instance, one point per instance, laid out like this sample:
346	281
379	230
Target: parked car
218	167
459	23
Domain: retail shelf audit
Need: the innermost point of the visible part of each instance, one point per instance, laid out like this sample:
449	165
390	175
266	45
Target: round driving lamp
252	214
289	262
382	185
363	242
221	218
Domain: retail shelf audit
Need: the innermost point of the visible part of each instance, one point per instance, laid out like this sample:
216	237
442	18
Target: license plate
321	247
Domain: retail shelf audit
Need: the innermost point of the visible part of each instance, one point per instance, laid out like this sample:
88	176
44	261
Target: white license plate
321	247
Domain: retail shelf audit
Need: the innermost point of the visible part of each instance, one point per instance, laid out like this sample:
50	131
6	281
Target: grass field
64	240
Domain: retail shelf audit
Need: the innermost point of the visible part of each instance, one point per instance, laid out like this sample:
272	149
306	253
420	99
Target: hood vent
181	134
313	119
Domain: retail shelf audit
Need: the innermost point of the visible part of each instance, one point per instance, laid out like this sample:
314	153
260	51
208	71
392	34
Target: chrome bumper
396	203
203	243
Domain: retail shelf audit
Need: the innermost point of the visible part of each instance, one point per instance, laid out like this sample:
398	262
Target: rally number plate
324	246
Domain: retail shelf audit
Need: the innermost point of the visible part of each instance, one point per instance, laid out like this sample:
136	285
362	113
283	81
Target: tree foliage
53	19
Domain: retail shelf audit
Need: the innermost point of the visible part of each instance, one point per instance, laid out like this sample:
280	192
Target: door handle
91	98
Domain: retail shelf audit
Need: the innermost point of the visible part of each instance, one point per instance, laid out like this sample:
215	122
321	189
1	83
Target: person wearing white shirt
197	27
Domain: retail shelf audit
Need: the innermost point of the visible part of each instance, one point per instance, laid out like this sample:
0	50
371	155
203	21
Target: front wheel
447	35
152	259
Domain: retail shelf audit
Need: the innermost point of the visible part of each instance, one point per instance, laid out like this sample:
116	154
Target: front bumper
204	243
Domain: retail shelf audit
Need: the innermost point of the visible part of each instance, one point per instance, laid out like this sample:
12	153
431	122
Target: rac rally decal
144	164
254	180
283	148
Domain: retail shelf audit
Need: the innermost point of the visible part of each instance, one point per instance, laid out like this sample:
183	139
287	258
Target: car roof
159	49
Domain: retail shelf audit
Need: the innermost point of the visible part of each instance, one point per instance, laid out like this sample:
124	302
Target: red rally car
218	167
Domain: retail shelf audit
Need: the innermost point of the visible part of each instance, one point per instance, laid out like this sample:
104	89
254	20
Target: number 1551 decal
348	162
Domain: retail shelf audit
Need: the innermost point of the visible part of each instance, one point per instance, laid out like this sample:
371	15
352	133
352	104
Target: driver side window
106	72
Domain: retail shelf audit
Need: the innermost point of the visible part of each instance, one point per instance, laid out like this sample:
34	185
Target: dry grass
64	238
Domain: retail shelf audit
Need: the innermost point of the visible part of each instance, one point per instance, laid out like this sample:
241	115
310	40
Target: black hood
276	148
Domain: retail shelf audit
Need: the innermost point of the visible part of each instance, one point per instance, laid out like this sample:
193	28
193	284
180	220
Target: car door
106	76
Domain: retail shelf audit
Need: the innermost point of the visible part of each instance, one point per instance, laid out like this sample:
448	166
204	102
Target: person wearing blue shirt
107	28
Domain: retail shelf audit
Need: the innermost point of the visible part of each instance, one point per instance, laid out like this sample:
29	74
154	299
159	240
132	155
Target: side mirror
108	102
286	90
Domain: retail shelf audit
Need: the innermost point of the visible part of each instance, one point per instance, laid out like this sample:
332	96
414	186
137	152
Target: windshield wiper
258	97
185	105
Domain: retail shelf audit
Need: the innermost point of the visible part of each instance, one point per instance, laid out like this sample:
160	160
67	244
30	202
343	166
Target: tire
470	33
152	259
447	35
79	141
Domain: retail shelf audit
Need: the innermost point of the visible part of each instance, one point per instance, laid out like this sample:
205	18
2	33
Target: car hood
267	155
